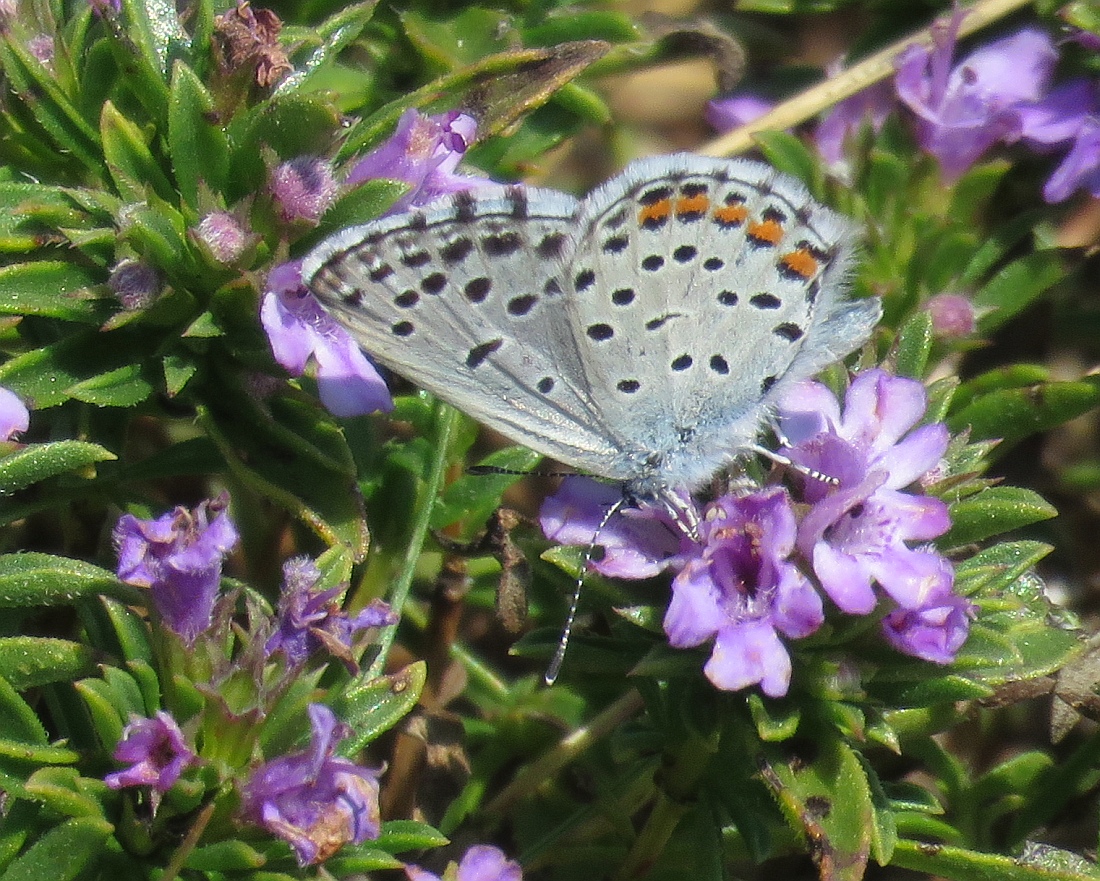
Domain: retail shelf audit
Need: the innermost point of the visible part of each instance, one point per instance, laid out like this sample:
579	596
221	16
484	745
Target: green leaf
60	790
827	799
35	579
178	371
367	201
961	864
374	706
36	86
225	856
914	344
38	462
129	159
53	289
476	496
1013	414
993	511
328	40
65	852
121	387
18	722
154	26
198	146
1012	289
398	836
27	661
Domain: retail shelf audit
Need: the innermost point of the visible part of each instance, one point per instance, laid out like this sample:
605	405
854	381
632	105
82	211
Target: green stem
812	101
659	826
445	418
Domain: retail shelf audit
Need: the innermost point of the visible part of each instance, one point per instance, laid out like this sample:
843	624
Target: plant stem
444	424
866	73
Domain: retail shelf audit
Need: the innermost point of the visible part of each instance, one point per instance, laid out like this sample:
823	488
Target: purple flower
315	800
298	327
952	315
224	237
41	46
739	587
14	416
179	557
310	620
157	753
423	152
856	530
726	114
481	862
303	188
870	106
1058	117
934	631
637	542
962	111
1080	169
106	7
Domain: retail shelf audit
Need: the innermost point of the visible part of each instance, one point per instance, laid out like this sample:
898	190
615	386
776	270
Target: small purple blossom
14	416
303	188
310	619
157	753
739	587
637	542
423	152
298	327
41	46
224	237
952	316
482	862
964	110
315	800
106	7
178	556
1080	168
136	284
934	631
726	114
856	531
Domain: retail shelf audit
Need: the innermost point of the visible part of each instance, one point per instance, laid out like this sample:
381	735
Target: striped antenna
559	654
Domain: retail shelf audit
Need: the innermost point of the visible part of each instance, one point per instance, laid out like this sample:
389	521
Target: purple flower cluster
1001	93
178	556
313	799
744	580
311	620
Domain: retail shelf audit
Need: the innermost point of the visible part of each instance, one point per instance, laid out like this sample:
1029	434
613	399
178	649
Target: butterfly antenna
559	654
780	459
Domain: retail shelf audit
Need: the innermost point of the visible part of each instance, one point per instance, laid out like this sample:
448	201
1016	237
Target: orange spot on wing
655	213
767	231
800	262
731	215
692	205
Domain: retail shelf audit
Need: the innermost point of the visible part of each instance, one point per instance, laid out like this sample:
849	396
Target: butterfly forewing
463	298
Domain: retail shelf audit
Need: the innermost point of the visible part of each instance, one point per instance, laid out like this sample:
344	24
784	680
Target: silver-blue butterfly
640	334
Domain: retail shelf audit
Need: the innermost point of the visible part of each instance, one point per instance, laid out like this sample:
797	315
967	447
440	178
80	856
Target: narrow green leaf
54	289
913	345
18	722
331	37
38	462
198	146
59	789
129	159
51	108
961	864
27	661
399	836
1013	414
476	496
62	854
225	856
374	706
121	387
789	154
993	511
154	26
1012	289
35	579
